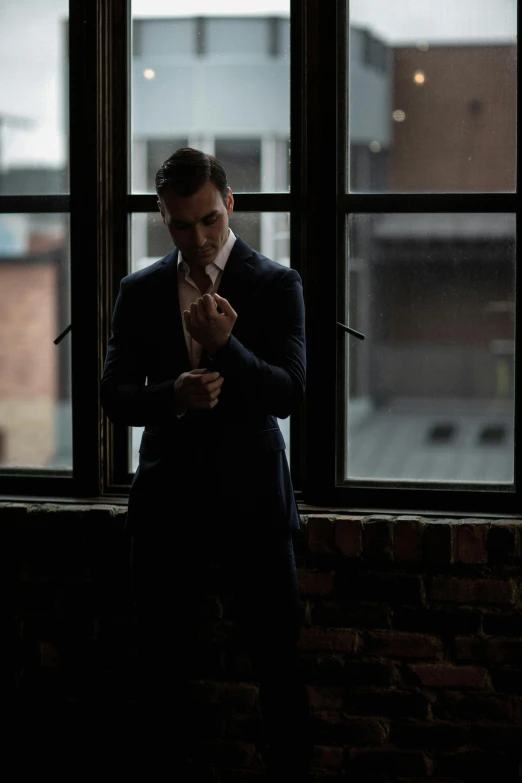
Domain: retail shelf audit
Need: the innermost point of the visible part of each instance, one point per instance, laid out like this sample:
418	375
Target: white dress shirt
189	292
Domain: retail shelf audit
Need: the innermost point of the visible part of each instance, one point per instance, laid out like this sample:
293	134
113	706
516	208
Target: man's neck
201	279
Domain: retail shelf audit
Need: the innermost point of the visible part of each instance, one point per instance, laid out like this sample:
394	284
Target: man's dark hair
187	170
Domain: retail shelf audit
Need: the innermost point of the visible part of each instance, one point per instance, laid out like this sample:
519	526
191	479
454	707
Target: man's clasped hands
199	389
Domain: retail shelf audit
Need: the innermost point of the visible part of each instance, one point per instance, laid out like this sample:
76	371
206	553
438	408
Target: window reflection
35	377
436	89
431	389
217	83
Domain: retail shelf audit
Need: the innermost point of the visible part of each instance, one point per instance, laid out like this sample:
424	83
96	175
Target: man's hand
197	390
208	327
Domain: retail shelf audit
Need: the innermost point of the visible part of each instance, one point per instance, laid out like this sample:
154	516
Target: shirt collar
220	260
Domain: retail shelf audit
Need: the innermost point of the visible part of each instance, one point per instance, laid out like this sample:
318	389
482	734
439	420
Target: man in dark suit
207	374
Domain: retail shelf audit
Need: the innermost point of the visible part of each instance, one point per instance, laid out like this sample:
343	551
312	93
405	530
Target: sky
32	53
396	21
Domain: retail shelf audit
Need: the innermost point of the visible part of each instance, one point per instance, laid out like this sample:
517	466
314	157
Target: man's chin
202	259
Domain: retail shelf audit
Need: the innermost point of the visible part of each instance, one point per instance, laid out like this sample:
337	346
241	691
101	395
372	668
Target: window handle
351	331
62	335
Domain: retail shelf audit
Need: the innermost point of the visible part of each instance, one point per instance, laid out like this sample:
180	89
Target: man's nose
199	236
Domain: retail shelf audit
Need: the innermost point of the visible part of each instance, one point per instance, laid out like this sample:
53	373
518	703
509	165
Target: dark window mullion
243	202
34	204
379	498
296	447
115	67
518	288
321	243
83	112
429	202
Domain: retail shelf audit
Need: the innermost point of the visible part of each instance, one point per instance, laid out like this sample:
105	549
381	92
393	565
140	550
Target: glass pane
34	143
267	232
219	83
431	389
35	374
432	96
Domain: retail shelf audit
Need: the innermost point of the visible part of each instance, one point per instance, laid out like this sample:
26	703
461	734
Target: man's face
198	224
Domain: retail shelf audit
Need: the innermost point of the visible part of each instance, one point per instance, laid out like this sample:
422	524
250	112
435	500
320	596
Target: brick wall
28	361
411	642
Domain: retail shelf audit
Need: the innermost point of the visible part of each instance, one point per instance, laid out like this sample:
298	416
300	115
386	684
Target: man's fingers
210	304
224	304
203	378
205	391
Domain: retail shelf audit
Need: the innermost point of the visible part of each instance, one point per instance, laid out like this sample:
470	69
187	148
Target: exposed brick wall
411	642
28	361
460	127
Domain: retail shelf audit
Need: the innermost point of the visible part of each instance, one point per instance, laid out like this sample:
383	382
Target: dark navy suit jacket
263	365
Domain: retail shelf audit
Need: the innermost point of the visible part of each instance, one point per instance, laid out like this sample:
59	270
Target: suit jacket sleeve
275	383
125	397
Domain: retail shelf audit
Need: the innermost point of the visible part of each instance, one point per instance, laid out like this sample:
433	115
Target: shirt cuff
219	350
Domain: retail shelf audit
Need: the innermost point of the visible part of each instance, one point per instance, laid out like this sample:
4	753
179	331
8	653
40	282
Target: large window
35	373
221	84
428	400
370	145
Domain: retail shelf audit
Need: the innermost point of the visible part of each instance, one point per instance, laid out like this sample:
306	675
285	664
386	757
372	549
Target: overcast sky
32	54
393	20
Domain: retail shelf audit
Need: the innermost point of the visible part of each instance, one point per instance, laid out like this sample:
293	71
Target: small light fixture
423	46
398	115
374	146
418	77
149	73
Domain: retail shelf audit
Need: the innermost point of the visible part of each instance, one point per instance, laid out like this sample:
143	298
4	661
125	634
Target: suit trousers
177	561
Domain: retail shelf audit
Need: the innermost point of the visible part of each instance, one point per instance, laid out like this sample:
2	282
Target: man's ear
230	202
162	211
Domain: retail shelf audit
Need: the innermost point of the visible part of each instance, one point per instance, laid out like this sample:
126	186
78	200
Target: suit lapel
168	315
237	276
235	283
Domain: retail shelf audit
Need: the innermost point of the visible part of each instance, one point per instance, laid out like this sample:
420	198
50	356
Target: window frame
326	342
101	204
82	207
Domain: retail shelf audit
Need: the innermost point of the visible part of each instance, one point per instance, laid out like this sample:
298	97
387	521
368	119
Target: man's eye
210	220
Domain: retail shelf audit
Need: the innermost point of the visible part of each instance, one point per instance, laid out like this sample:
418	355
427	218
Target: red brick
49	655
348	536
350	731
387	761
437	541
322	697
470	707
487	650
517	709
502	542
403	645
321	533
471	541
378	538
506	737
328	756
407	539
472	591
441	675
315	583
242	695
318	639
